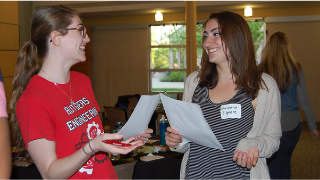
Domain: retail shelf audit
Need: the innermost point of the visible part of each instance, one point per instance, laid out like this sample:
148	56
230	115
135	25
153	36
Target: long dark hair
237	39
33	52
278	61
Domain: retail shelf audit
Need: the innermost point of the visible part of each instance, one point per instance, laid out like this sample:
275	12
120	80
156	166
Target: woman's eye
80	29
216	34
204	36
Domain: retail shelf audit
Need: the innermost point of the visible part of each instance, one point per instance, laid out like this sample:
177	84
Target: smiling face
213	43
73	43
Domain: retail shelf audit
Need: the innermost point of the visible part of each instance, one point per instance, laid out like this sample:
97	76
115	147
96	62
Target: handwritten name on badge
230	111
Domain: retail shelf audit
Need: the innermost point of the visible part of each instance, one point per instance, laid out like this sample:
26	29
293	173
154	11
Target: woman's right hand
173	138
97	143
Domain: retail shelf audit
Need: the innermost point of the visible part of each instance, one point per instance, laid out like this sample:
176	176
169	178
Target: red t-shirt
45	111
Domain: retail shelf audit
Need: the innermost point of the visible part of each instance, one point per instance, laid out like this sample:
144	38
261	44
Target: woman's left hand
247	158
315	134
146	135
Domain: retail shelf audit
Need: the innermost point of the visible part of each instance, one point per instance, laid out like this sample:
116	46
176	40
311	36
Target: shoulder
193	77
269	82
79	76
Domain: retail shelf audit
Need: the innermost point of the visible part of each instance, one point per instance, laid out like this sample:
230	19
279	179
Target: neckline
225	102
64	86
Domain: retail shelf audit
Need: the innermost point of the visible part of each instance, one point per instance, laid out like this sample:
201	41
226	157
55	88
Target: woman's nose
87	39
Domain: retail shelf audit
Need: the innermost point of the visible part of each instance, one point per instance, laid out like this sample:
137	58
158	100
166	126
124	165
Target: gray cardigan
266	130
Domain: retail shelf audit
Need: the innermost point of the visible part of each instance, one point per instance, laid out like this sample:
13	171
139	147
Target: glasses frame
83	30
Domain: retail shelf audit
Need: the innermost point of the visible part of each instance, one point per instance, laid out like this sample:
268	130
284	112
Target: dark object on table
21	172
128	103
114	115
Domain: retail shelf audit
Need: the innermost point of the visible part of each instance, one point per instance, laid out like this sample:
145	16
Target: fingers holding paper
173	138
145	135
247	158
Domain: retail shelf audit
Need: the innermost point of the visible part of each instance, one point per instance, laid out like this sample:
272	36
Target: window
258	32
168	57
167	67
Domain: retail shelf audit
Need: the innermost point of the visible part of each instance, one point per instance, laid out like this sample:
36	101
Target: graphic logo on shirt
92	132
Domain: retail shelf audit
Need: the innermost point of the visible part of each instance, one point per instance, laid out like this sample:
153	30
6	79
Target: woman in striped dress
229	77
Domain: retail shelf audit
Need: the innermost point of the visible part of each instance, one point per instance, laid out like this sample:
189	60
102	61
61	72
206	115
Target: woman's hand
97	143
246	158
173	138
145	135
315	134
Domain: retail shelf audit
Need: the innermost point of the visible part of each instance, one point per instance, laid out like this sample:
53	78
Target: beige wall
119	63
9	42
304	39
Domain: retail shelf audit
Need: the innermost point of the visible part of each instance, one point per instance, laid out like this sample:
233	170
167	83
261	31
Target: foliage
175	36
174	76
160	58
257	33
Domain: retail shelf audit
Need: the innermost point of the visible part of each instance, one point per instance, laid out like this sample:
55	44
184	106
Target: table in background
30	172
165	168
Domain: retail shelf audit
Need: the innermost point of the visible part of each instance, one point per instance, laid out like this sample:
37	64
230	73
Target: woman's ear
55	37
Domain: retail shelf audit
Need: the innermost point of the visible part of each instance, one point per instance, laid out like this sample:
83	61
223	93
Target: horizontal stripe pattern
209	163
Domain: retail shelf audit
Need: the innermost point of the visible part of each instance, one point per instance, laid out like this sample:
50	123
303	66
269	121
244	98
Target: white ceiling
98	9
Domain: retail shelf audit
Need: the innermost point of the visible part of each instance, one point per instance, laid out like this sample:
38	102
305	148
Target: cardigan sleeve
266	131
305	103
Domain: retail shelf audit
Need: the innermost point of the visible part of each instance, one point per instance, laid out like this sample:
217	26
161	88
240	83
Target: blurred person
5	144
229	76
55	108
278	61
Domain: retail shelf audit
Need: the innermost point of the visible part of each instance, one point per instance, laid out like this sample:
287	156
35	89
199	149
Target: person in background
55	108
230	77
278	61
5	144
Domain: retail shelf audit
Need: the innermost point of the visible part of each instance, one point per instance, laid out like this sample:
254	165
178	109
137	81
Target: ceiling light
248	11
159	16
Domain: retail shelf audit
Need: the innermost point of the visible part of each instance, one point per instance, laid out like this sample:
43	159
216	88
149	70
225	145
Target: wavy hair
278	61
239	49
32	53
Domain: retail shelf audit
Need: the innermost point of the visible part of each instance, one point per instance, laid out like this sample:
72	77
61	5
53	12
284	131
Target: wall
9	43
119	63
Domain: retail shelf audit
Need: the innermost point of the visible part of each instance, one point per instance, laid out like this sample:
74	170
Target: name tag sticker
230	111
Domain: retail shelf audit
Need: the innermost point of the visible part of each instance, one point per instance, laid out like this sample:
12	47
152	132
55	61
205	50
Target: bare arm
43	154
5	149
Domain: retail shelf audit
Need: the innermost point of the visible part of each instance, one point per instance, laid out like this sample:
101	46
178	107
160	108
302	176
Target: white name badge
230	111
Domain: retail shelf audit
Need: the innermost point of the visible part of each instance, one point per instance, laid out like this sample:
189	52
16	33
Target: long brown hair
33	52
277	60
237	39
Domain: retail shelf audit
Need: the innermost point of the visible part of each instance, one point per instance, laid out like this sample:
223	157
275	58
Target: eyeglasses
82	30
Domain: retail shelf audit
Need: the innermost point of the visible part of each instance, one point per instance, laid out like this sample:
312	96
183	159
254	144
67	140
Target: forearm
43	154
5	149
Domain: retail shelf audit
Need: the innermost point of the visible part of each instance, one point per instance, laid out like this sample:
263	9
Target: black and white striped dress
209	163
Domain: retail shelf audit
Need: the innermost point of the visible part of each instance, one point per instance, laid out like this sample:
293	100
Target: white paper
187	118
140	117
